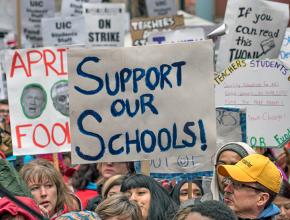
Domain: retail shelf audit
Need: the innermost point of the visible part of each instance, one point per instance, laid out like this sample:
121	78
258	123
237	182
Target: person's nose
133	197
43	191
228	187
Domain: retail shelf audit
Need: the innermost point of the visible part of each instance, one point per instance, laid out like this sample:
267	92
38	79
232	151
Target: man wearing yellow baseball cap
250	187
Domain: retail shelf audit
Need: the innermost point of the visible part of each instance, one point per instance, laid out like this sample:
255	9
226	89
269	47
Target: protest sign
105	30
141	28
32	12
103	8
63	31
231	126
74	7
285	49
134	104
38	100
7	15
255	30
177	36
161	7
261	86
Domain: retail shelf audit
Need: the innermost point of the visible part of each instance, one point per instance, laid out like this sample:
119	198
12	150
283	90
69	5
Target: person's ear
263	198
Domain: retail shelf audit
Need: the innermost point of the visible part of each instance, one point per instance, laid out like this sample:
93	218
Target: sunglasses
239	185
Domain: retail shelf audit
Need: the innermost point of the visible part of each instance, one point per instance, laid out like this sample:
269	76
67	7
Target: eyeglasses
239	185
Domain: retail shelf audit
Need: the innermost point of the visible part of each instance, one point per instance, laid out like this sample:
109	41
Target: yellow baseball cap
254	168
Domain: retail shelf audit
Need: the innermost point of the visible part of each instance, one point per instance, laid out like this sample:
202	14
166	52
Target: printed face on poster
263	88
38	98
255	31
133	104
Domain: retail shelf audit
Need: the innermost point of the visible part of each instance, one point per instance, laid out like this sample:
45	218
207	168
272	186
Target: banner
161	7
141	28
263	87
255	31
32	12
128	104
63	31
38	100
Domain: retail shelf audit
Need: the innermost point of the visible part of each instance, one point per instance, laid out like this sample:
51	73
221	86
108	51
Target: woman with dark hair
180	192
84	182
153	200
282	200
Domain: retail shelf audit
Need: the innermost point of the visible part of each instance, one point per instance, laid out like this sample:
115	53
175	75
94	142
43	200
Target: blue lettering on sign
154	77
158	39
146	140
88	133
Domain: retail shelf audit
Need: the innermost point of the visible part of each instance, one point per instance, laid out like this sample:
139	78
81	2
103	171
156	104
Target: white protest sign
263	87
231	126
38	100
63	31
255	30
285	49
7	15
140	103
74	7
161	7
103	8
176	36
32	12
105	30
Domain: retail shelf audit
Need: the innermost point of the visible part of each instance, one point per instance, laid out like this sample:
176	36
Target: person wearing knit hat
251	185
229	153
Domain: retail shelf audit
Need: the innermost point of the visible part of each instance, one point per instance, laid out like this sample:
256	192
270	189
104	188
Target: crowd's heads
208	210
119	206
112	185
250	185
152	198
80	215
60	98
47	186
180	191
228	154
33	100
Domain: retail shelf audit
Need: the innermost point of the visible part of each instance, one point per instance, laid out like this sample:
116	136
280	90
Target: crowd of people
245	185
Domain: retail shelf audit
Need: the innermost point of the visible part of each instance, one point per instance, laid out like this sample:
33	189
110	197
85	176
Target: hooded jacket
240	148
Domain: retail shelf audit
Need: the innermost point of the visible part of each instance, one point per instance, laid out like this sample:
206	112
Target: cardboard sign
63	31
128	104
32	12
141	28
255	30
231	126
177	36
285	49
103	8
263	87
38	100
105	30
161	7
74	7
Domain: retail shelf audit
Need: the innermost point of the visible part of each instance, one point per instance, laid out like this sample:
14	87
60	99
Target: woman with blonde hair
120	206
48	188
112	186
